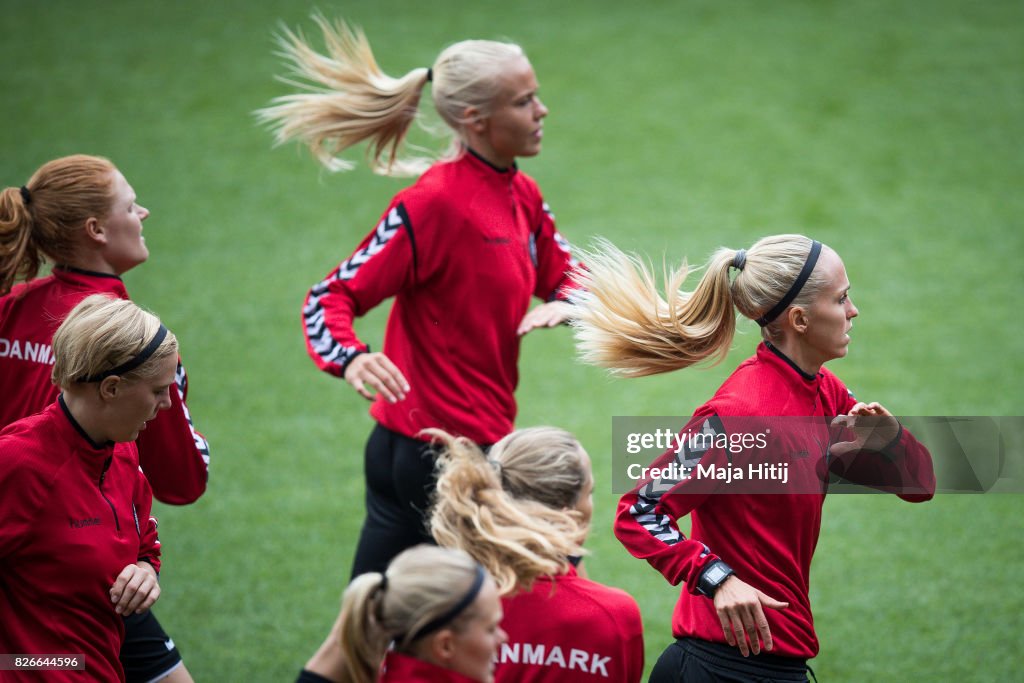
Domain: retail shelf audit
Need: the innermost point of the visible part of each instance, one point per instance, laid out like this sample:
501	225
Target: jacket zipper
103	476
531	240
512	198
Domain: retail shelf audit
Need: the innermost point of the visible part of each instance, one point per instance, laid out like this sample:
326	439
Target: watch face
715	574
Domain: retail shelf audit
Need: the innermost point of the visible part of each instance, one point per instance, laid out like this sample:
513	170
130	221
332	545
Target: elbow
919	494
182	496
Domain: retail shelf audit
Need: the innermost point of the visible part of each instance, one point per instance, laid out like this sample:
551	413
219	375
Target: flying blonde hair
488	505
348	99
623	323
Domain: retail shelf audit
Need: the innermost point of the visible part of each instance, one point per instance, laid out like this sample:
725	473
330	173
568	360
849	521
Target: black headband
801	280
26	196
133	363
456	610
430	74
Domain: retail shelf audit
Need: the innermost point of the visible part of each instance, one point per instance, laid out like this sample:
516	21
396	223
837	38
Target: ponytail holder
496	466
379	596
26	196
430	74
739	260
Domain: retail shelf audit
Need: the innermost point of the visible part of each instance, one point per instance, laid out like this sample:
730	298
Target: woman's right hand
376	371
740	609
135	589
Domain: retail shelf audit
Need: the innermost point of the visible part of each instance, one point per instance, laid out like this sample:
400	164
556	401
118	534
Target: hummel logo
82	523
497	240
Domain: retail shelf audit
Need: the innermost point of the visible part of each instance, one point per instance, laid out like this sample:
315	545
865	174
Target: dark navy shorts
701	661
399	482
148	653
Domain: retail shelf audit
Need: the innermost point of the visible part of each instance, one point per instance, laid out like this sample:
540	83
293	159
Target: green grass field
890	130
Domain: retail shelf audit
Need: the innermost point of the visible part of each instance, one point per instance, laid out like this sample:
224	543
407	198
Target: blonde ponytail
515	539
348	100
422	584
363	640
622	323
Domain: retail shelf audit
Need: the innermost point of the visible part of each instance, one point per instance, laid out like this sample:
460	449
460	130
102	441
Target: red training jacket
462	251
399	668
73	515
568	629
768	539
173	454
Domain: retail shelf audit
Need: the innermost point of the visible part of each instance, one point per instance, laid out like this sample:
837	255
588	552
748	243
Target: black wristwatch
713	576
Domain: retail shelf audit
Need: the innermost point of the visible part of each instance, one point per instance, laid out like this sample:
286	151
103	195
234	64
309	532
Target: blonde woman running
463	251
745	568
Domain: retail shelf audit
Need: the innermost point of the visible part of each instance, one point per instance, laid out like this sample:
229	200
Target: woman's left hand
740	609
551	314
135	590
872	425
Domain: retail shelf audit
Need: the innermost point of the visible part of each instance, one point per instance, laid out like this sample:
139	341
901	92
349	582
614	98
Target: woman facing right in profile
437	609
463	251
745	569
523	511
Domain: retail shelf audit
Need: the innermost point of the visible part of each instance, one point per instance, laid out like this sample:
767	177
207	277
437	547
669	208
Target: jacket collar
804	387
399	668
95	457
79	430
771	352
83	271
95	283
479	162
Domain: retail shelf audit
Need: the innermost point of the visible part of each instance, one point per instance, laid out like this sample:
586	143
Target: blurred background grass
890	130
